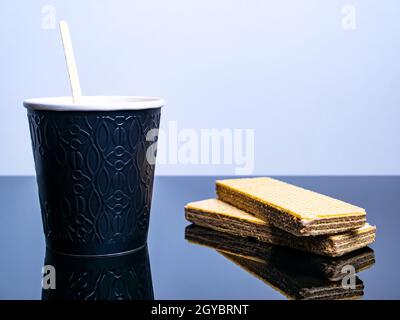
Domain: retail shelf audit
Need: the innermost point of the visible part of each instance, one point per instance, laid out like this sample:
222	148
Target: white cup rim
94	103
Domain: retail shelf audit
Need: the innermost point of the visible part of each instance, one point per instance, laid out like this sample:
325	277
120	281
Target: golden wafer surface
299	202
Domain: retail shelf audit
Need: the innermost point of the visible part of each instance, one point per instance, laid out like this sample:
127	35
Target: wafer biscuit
285	258
296	210
294	285
220	216
295	274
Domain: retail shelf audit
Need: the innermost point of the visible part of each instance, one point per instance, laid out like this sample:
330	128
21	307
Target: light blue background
322	100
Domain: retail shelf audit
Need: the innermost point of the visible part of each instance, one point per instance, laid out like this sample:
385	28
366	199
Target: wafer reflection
124	277
296	274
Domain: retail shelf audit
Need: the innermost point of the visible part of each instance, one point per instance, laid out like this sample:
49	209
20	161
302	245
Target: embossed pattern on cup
125	277
95	183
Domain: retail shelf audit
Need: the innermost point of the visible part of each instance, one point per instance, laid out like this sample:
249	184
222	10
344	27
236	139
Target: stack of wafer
279	213
296	274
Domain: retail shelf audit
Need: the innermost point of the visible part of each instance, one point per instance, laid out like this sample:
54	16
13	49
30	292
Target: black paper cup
95	164
124	277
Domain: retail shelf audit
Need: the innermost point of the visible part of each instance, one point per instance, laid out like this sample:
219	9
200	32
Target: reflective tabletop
183	261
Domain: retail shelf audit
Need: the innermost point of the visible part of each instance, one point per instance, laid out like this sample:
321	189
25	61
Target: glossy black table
183	270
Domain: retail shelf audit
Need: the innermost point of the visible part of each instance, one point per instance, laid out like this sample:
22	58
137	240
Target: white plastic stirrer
71	64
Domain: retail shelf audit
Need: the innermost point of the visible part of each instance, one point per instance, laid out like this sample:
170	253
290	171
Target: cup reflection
296	274
124	277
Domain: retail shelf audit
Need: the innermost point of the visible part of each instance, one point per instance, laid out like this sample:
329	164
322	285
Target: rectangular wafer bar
283	257
218	215
295	286
296	210
295	274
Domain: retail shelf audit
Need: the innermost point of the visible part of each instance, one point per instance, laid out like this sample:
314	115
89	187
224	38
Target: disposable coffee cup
122	277
94	175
